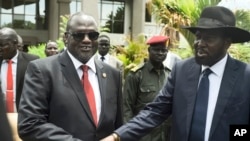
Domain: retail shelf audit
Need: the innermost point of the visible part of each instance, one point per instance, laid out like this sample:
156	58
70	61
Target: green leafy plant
240	52
133	54
39	49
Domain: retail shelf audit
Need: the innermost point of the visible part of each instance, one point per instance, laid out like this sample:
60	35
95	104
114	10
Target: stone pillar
138	17
90	7
56	9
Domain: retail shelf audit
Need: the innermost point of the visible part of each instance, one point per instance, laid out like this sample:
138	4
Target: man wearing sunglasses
71	96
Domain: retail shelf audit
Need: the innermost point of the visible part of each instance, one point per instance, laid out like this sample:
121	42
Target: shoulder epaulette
137	67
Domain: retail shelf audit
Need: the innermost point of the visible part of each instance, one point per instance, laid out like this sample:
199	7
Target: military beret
157	39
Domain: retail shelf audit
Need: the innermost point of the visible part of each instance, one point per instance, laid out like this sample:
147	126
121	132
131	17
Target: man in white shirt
103	53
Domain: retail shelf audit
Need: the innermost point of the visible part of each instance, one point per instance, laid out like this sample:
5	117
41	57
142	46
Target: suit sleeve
5	131
129	95
33	111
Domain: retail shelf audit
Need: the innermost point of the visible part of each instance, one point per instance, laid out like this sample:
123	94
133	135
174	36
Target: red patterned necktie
9	90
89	92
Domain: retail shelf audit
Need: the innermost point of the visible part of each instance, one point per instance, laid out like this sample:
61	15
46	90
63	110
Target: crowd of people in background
81	93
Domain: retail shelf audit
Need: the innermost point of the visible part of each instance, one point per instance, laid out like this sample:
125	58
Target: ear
228	42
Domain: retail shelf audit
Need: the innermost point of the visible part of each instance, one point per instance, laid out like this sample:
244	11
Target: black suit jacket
5	131
23	59
178	98
54	107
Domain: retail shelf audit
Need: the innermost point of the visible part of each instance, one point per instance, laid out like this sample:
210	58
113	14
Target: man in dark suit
5	131
9	51
55	105
227	87
104	55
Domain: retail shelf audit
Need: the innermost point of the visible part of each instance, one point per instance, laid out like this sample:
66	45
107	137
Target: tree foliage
134	53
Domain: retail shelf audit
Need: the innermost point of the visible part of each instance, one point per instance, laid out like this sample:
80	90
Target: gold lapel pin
104	75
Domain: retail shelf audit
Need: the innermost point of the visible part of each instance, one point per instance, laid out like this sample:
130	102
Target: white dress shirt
214	86
4	68
106	60
92	78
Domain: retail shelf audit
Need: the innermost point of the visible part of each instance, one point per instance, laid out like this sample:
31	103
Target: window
112	15
148	11
75	6
23	14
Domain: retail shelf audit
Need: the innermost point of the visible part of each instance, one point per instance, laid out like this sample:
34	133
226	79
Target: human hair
77	14
104	36
49	43
11	34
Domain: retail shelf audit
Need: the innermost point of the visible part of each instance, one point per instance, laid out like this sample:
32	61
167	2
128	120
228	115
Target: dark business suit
5	131
22	62
54	107
178	98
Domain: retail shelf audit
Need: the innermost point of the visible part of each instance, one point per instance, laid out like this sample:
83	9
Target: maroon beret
157	39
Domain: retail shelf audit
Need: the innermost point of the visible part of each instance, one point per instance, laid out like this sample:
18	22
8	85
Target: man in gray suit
228	96
59	103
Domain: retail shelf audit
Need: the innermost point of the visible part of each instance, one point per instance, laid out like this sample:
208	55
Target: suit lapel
74	81
20	71
21	66
193	74
102	76
226	88
112	61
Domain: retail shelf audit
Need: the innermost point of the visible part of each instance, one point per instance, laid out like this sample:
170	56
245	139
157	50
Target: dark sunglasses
78	36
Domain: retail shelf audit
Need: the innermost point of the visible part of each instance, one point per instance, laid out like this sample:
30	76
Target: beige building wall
138	17
91	7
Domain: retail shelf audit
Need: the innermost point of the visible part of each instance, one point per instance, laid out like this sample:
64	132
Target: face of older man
8	43
210	46
82	37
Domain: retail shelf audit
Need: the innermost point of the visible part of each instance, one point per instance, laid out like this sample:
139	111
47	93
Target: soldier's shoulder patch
138	67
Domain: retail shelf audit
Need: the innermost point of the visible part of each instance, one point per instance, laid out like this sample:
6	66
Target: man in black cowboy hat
201	112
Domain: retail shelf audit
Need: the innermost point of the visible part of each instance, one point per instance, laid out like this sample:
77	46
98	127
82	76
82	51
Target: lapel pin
104	75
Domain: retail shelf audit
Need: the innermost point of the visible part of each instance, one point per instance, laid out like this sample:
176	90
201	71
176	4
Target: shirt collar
78	64
151	67
105	56
219	67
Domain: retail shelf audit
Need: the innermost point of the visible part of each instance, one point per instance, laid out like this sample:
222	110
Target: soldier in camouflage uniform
144	82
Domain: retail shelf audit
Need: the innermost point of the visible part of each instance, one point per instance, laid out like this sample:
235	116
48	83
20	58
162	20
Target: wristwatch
116	137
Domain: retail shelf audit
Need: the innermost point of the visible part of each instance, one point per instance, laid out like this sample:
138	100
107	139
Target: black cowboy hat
218	17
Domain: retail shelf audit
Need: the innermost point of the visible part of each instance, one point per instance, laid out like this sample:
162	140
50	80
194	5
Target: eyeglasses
78	36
